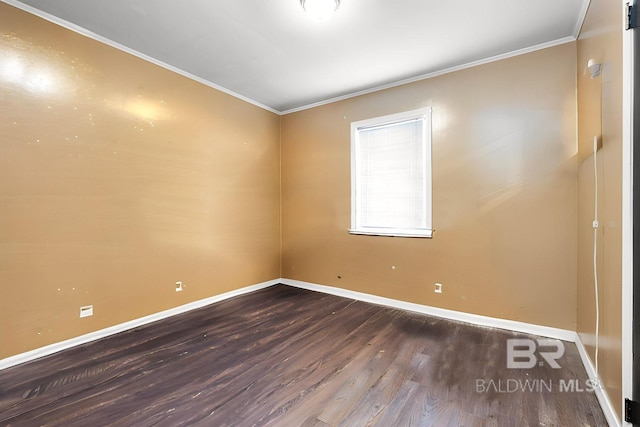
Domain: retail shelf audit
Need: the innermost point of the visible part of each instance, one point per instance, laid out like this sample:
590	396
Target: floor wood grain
289	357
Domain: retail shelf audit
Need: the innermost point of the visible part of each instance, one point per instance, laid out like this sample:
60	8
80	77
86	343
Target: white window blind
391	175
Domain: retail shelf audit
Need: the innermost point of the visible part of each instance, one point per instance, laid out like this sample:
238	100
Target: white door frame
627	215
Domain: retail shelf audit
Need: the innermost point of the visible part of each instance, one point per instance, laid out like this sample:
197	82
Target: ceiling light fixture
320	9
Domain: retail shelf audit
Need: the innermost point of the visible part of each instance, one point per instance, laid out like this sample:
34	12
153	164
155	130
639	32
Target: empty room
317	213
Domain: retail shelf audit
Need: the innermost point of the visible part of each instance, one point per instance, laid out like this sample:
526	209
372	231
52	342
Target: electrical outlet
179	287
86	311
438	289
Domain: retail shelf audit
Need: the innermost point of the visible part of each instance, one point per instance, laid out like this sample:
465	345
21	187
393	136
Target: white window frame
357	227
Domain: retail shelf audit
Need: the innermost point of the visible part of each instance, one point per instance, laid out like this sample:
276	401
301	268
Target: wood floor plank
288	357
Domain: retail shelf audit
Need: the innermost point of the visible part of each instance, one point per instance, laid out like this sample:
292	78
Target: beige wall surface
600	114
504	193
117	179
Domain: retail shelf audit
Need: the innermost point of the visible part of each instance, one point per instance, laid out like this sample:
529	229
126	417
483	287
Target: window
391	175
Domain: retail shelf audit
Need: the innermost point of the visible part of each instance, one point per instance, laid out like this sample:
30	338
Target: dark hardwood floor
289	357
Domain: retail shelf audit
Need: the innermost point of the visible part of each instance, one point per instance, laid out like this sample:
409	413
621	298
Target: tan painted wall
600	113
117	179
504	172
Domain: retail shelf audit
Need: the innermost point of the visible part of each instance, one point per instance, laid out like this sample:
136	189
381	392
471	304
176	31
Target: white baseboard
476	319
601	392
63	345
545	331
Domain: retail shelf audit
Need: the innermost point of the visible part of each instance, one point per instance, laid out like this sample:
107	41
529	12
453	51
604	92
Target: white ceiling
270	53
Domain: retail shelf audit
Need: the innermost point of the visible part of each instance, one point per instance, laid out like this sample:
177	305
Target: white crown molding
80	30
102	333
435	73
83	31
582	15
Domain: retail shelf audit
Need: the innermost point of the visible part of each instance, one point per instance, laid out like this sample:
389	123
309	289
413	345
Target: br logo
521	353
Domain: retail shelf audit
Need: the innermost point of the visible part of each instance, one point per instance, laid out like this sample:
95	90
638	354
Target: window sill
426	235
